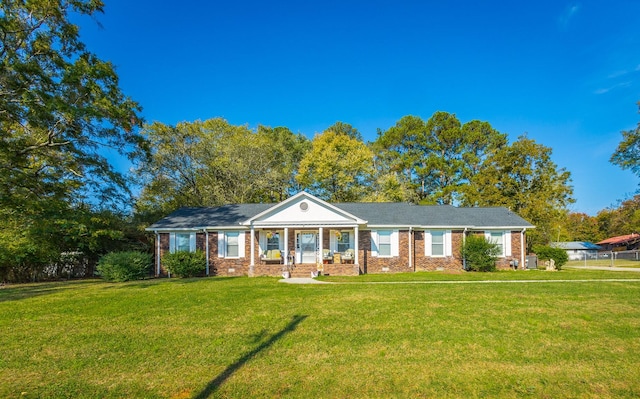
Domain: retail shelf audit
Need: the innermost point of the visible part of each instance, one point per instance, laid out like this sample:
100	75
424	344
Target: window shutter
507	243
221	244
172	242
427	243
447	243
241	244
192	242
395	243
374	243
281	240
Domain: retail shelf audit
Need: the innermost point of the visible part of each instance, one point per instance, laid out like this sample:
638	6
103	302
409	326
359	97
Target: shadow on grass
16	292
214	384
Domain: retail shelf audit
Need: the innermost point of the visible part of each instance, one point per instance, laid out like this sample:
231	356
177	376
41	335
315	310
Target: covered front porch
305	250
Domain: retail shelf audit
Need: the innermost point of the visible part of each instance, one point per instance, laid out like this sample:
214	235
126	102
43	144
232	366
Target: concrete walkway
302	280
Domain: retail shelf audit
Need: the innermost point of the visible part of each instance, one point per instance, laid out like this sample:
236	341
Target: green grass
241	338
605	262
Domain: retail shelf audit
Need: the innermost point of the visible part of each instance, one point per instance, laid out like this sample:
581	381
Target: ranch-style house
304	235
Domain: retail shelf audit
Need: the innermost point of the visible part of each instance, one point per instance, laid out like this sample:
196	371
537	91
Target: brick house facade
304	235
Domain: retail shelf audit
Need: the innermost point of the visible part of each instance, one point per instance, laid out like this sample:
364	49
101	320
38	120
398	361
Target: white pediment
304	209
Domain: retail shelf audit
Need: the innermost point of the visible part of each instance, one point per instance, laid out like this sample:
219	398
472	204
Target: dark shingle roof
375	213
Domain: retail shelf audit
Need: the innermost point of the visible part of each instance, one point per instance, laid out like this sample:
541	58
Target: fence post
613	255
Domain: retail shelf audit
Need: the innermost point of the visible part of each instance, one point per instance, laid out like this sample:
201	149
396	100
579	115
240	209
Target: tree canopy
60	108
627	154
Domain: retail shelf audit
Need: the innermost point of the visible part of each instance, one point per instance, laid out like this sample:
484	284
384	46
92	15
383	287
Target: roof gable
304	209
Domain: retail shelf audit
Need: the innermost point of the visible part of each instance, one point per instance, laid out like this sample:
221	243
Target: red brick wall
428	263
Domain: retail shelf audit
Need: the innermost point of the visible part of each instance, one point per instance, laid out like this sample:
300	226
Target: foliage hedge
125	266
559	255
185	264
480	254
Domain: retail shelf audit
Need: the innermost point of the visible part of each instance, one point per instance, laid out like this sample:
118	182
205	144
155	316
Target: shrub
559	255
480	254
124	266
185	264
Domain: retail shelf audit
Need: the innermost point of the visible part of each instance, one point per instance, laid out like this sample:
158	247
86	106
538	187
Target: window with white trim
437	243
502	239
273	240
182	242
344	241
232	244
384	243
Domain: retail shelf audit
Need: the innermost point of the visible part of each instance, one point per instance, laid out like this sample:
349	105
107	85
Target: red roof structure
626	240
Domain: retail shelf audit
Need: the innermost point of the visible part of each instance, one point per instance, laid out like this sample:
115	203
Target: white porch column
253	247
286	246
320	245
355	245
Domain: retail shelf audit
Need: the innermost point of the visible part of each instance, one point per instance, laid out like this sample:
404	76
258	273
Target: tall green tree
437	158
337	168
209	163
60	108
627	154
523	178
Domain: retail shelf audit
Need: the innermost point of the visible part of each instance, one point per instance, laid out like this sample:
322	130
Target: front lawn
246	338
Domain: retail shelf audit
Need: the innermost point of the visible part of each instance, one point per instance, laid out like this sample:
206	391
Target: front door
308	247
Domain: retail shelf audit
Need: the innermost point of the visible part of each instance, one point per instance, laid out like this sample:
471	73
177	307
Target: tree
622	220
437	158
337	168
627	154
580	227
523	178
212	163
60	107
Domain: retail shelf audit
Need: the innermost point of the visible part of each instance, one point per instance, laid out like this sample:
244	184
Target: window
496	238
182	242
437	243
384	243
344	241
273	240
232	244
502	239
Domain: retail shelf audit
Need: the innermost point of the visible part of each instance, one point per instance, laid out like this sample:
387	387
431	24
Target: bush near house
559	255
480	254
125	266
185	264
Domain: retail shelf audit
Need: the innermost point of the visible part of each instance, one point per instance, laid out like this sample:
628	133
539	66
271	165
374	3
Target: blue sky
566	73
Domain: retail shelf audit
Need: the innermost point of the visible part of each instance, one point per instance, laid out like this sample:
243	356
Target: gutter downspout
206	238
522	248
158	253
464	240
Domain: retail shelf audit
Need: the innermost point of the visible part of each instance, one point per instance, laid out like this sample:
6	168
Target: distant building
578	250
621	243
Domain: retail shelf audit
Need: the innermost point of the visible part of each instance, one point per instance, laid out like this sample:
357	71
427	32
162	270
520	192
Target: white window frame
446	243
334	243
264	241
174	237
394	243
223	241
504	241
